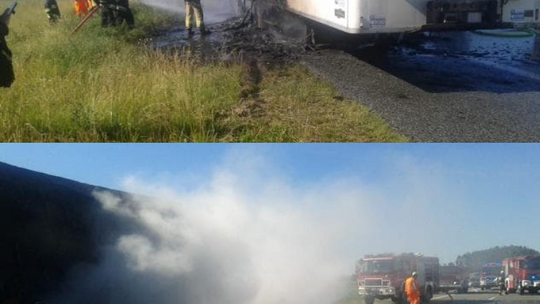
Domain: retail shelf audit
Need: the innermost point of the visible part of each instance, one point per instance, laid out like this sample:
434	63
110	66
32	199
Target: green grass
102	85
351	295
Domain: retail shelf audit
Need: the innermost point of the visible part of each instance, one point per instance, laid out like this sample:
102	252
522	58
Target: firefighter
411	289
502	287
90	4
194	6
52	10
123	13
115	12
107	16
81	7
6	66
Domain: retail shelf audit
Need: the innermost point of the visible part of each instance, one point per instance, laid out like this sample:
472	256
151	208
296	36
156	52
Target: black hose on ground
245	19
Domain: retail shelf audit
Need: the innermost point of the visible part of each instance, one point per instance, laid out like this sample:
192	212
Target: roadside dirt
445	87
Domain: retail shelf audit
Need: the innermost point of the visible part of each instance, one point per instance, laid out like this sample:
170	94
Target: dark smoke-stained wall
48	225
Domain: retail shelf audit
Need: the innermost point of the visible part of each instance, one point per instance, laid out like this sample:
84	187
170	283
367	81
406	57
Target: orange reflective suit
411	289
81	7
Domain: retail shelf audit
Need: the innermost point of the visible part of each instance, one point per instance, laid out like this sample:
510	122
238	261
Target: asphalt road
477	296
485	91
480	297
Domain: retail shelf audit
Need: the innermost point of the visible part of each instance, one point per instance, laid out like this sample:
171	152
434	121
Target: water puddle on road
464	61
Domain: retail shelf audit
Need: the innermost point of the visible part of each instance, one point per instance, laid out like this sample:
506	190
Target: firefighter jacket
115	5
6	66
52	10
81	7
411	288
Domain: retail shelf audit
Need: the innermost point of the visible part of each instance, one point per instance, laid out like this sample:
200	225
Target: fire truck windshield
491	271
376	266
533	264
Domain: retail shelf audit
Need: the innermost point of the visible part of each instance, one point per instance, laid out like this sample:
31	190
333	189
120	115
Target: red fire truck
522	274
383	276
488	276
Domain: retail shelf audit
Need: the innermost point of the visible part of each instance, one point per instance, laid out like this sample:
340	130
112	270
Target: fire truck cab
488	276
522	274
383	276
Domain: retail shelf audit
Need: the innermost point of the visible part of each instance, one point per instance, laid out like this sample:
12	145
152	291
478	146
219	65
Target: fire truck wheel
369	300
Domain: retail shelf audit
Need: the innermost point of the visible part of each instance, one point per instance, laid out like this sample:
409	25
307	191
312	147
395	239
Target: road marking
445	296
492	298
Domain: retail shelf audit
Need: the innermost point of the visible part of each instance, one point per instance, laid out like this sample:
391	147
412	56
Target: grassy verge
351	295
100	85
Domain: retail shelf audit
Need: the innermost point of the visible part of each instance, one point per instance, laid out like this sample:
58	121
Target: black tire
369	299
403	298
427	297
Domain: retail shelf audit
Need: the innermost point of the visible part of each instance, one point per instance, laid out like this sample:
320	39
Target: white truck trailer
393	16
522	13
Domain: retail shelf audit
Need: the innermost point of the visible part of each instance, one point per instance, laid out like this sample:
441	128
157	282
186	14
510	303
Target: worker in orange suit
81	7
411	289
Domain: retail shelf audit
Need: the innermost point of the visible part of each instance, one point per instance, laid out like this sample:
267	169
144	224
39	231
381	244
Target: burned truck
383	276
378	17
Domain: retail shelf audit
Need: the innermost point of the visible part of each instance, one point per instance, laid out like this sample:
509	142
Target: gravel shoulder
470	116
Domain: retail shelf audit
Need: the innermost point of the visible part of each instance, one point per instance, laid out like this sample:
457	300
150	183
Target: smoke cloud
249	234
230	241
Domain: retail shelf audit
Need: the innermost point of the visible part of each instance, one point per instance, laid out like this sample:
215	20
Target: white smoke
251	235
225	242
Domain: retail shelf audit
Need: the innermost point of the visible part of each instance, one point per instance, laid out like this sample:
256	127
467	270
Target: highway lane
477	296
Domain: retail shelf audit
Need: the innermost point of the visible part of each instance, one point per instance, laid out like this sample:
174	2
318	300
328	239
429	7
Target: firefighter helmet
414	274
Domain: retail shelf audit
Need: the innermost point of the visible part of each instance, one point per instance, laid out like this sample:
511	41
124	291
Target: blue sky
472	196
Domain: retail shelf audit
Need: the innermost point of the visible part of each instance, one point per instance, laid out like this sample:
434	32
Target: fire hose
245	19
92	12
514	33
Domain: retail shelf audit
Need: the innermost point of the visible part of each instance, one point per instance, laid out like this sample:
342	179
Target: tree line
473	261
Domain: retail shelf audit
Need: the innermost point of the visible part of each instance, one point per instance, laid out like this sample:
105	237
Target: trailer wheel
369	300
428	295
